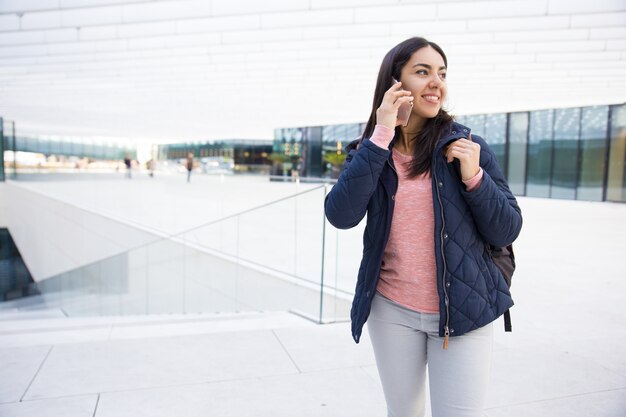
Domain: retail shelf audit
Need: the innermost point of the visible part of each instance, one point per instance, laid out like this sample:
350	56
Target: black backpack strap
507	321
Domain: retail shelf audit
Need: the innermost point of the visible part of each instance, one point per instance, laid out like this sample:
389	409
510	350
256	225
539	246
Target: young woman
435	200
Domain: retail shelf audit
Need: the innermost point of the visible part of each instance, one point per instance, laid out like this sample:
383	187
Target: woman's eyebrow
427	66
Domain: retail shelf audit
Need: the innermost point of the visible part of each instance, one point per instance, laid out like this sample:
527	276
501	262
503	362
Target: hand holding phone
404	111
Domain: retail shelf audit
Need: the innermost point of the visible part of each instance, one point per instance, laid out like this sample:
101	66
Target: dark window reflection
566	144
518	139
616	181
540	144
2	147
593	142
476	122
495	135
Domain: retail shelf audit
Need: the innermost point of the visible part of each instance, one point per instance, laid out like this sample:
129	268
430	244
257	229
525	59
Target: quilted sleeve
346	203
494	208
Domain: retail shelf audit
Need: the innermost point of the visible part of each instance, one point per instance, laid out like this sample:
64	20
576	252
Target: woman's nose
435	80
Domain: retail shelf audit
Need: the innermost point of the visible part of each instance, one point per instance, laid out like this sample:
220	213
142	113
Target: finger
465	144
463	141
402	100
395	86
460	154
392	96
460	148
402	93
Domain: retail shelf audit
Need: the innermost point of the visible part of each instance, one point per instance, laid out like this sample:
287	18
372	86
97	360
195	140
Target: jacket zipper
446	328
392	167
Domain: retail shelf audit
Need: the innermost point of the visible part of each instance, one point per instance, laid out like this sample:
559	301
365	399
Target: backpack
504	259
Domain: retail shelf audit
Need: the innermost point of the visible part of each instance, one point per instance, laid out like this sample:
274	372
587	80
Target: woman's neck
408	138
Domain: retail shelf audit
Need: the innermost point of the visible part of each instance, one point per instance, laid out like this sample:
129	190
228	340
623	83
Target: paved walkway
564	358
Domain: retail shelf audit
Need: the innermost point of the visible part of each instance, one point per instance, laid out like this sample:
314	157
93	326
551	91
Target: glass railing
281	256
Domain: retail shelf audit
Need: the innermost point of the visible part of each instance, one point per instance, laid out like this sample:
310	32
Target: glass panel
165	275
312	152
476	122
335	139
616	183
593	138
518	138
566	147
495	135
210	281
348	257
2	142
540	153
308	233
267	236
81	291
135	298
113	274
279	255
341	265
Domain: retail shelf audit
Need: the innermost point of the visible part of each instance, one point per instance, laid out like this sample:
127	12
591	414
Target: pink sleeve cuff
474	182
382	136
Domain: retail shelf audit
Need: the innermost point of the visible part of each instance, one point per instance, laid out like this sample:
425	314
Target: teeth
431	98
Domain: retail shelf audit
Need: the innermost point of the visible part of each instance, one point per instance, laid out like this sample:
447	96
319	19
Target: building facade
574	153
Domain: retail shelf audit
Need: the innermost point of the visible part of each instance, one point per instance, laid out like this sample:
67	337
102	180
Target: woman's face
424	75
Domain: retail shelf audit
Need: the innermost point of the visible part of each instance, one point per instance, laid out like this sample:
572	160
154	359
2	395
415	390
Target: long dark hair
434	128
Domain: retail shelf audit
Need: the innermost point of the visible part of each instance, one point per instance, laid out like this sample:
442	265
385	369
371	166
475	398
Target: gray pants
406	341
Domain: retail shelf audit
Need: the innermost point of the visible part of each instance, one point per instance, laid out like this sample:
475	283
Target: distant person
189	165
435	199
151	166
129	164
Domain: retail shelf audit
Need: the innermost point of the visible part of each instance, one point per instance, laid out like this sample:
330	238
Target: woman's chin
430	114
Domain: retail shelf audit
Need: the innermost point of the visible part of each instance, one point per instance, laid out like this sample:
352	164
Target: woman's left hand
468	154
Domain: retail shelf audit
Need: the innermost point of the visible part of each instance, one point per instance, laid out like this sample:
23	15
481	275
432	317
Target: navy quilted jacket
472	291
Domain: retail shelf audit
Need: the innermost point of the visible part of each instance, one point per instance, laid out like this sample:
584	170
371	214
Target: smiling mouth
431	98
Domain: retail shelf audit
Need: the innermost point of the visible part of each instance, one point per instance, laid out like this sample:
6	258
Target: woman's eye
443	75
422	72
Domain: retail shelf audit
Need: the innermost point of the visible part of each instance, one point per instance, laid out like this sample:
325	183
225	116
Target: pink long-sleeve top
408	273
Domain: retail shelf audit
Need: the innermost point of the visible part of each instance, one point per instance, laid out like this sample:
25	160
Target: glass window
518	139
32	145
566	148
2	142
616	181
313	152
338	134
90	150
335	139
540	153
476	123
65	147
593	143
495	135
353	131
55	147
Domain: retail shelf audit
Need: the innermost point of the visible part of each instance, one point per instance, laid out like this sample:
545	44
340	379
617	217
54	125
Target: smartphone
404	111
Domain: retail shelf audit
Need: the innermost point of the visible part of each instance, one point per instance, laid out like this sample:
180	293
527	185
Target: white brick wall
139	46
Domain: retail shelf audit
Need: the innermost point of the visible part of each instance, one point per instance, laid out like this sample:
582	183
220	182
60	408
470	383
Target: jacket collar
457	131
